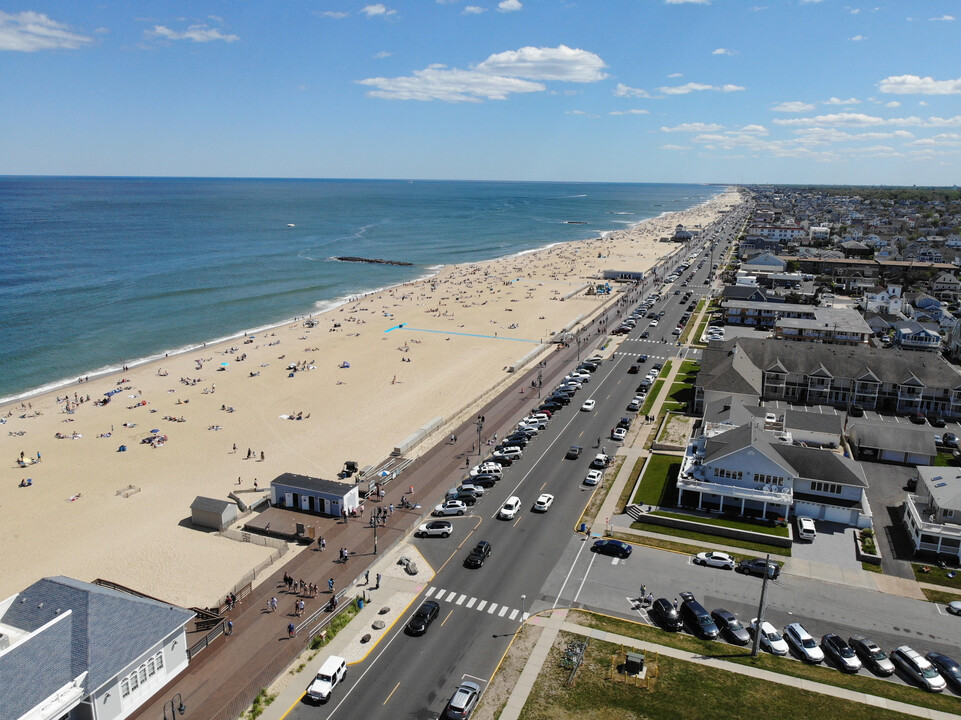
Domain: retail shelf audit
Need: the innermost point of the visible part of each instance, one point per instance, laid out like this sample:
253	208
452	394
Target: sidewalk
556	622
221	681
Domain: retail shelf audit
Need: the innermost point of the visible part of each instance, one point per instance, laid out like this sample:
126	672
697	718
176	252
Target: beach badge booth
311	494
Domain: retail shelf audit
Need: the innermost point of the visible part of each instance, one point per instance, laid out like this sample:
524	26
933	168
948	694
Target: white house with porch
932	517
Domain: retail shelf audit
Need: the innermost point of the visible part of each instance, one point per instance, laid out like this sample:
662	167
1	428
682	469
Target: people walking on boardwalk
291	630
366	577
378	582
330	585
323	544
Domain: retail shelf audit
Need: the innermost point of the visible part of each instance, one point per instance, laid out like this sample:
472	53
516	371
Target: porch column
680	497
700	499
720	507
743	500
764	510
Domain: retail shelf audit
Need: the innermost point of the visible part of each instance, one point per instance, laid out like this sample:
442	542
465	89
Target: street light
480	427
176	704
523	604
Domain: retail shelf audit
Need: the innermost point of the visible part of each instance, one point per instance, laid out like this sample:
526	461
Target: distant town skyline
714	91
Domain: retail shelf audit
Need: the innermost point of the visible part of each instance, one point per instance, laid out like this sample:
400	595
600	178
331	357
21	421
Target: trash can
583	527
360	603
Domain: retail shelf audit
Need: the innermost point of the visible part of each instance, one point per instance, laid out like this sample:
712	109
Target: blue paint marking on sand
444	332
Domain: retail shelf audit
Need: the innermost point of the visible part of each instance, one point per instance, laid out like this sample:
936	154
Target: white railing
779	497
930	528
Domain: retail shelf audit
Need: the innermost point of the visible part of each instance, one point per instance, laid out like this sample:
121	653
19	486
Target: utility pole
480	427
760	607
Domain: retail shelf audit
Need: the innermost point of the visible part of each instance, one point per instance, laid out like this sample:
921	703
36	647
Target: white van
806	529
331	673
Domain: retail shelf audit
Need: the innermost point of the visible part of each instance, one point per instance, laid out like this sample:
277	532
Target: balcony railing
916	506
778	497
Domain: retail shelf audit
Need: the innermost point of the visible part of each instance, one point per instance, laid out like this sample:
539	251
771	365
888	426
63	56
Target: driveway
834	545
886	491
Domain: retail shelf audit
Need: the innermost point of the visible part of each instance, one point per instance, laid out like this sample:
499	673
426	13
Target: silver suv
803	644
463	701
918	669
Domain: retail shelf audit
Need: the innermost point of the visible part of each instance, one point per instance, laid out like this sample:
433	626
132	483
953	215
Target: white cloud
509	6
195	33
335	15
862	120
496	78
581	112
473	10
629	112
943	18
382	54
450	85
914	85
670	146
857	38
892	104
696	87
793	106
31	31
723	51
753	130
623	90
940	140
377	10
697	127
839	101
676	75
560	63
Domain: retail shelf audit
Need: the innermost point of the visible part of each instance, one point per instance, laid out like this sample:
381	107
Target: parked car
770	638
435	528
618	433
593	477
954	607
509	509
633	405
615	548
484	481
946	667
463	701
574	452
856	411
918	669
758	566
600	461
938	422
803	643
588	405
806	529
840	652
697	618
666	615
714	559
950	440
543	502
478	555
731	627
919	420
422	619
451	507
871	655
511	453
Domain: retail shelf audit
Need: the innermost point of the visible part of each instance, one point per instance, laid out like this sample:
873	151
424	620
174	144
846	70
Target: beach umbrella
224	364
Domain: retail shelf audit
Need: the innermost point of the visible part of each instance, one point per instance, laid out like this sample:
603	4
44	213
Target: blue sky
800	91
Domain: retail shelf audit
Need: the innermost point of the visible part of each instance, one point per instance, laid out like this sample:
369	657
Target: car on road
676	331
463	701
574	452
634	369
633	405
731	627
615	548
509	509
450	507
758	566
588	405
657	366
918	669
329	675
645	335
653	323
714	559
770	638
949	440
946	667
954	607
803	643
666	615
518	439
642	358
435	528
511	452
697	618
871	655
600	461
422	619
478	555
593	477
618	433
919	420
840	652
543	502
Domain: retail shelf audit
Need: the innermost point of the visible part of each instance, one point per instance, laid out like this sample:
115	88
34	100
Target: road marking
503	611
392	693
517	520
430	591
513	614
583	545
447	618
584	580
470	604
461	599
481	604
492	608
615	561
525	616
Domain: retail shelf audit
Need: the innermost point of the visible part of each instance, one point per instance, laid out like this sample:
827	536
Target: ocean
102	272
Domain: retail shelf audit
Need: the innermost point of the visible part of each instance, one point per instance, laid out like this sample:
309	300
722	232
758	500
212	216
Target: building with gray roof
932	517
70	649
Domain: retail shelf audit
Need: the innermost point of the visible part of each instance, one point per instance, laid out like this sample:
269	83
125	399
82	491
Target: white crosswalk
473	603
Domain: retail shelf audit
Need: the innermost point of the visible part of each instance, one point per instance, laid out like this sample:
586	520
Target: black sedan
615	548
731	627
666	615
949	669
757	566
478	555
422	619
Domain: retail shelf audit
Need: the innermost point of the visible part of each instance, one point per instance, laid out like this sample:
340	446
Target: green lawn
936	575
940	596
651	397
946	702
755	547
658	484
625	497
681	394
736	524
682	691
945	459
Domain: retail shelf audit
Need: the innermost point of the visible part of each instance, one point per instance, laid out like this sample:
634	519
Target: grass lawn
940	596
820	707
658	484
872	568
699	332
755	547
683	691
724	522
651	397
625	497
677	547
686	335
936	575
681	394
945	459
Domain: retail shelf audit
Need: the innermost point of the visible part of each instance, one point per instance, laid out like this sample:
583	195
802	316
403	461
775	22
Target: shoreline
320	307
418	351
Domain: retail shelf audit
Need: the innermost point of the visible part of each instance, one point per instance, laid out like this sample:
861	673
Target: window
143	674
823	487
124	688
948	513
133	682
151	668
160	660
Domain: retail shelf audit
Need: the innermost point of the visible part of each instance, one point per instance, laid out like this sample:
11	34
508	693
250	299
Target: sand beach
221	418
